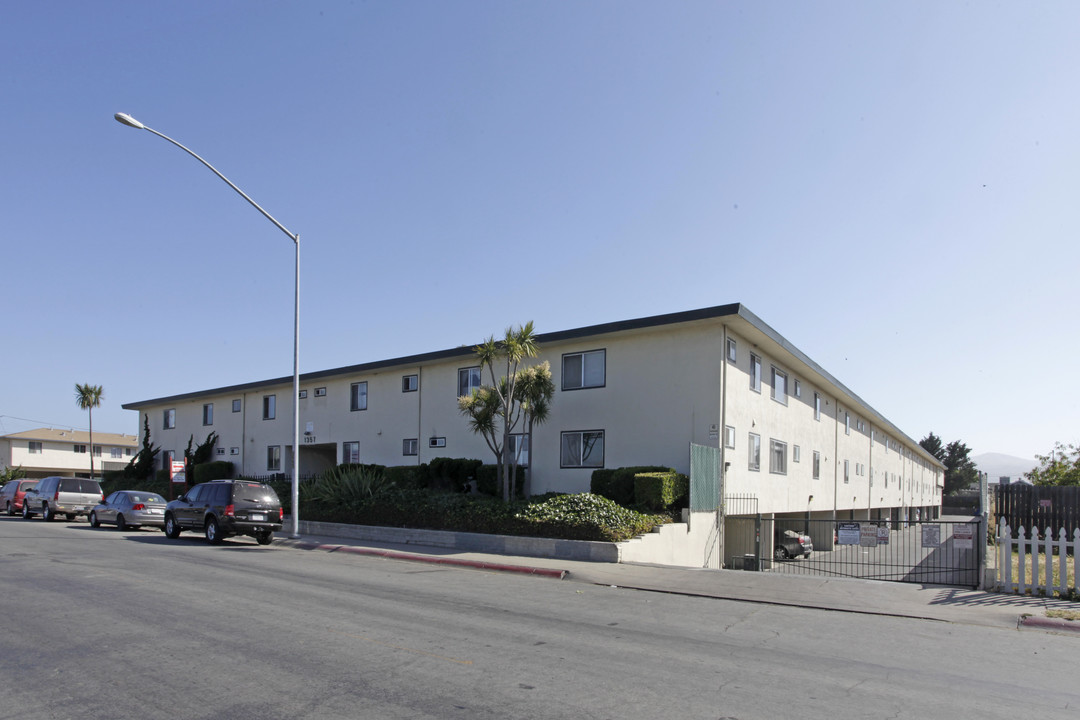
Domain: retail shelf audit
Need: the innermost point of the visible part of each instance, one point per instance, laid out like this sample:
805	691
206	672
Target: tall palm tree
89	397
536	389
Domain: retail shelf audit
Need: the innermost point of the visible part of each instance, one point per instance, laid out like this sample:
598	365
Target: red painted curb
474	564
1043	623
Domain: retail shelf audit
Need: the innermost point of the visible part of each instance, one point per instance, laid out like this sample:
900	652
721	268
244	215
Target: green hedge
487	481
617	484
660	491
217	470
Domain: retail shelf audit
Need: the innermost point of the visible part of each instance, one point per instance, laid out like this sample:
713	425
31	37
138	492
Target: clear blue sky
891	186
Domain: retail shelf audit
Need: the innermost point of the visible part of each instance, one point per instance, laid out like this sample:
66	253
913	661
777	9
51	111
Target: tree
494	410
89	397
535	390
1060	467
142	465
201	454
960	471
11	473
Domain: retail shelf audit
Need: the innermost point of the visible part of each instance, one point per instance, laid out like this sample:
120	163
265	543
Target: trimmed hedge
487	481
660	491
217	470
617	484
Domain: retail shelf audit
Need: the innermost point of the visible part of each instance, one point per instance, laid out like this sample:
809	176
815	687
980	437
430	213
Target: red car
11	496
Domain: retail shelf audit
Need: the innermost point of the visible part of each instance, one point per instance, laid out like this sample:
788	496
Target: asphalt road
131	625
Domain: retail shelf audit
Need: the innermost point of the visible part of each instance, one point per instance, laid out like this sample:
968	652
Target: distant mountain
997	465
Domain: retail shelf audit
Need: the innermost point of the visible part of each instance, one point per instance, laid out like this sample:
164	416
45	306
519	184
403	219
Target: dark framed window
755	373
777	457
519	448
754	456
358	396
269	407
169	419
410	383
273	458
468	379
582	449
584	370
779	385
350	452
236	406
732	354
208	414
410	446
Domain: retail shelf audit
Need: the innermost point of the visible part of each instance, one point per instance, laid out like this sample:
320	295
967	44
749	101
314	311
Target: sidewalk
927	602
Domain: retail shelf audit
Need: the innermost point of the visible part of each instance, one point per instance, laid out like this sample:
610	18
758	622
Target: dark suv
224	508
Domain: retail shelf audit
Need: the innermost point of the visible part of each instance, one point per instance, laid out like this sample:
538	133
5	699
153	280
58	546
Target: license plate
80	507
257	516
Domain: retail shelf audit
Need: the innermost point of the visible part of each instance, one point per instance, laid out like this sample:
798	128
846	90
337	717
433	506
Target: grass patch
1064	614
1070	580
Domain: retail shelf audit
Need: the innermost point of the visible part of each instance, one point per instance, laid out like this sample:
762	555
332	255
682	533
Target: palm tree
536	390
89	397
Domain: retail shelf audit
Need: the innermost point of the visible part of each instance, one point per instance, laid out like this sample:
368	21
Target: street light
126	119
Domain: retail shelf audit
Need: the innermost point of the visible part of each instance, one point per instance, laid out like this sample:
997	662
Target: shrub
217	470
587	517
452	473
660	491
618	484
347	486
487	481
407	476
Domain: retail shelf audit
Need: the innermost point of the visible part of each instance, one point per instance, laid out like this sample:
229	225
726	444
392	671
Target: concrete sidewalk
927	602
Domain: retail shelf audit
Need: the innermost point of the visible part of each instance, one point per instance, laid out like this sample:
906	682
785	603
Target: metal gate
931	551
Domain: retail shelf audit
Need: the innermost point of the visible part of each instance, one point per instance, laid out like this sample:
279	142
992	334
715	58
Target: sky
891	186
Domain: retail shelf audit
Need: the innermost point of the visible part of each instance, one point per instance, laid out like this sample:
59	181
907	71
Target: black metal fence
929	551
1038	506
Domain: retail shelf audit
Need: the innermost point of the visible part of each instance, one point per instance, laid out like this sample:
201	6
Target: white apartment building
45	451
794	440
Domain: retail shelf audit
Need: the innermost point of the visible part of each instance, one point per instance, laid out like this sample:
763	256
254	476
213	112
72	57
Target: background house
45	451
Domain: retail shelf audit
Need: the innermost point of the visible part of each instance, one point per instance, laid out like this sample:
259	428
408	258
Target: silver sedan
130	510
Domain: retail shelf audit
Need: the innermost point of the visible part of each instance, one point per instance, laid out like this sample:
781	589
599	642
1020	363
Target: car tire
213	531
10	510
780	553
120	524
172	530
26	512
46	512
264	537
93	520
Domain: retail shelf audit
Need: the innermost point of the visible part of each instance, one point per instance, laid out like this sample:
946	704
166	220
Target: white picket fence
1028	551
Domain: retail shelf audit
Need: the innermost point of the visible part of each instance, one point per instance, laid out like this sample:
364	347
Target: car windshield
146	498
254	492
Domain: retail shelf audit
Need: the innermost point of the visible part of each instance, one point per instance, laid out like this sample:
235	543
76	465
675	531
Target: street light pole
126	119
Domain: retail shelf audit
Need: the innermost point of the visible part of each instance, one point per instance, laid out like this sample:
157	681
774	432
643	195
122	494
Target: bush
487	481
452	473
588	517
217	470
661	491
618	484
407	476
347	487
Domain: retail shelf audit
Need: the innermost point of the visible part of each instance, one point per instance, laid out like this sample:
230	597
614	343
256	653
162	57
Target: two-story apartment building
45	451
794	440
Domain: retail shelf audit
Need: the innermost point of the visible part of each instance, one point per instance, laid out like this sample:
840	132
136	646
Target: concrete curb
1051	624
410	557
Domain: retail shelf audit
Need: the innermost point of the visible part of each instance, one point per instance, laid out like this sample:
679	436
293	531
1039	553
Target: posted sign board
963	536
931	536
847	533
868	535
176	472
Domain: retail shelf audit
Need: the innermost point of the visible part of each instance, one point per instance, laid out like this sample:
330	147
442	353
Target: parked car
790	545
11	497
130	510
223	508
67	496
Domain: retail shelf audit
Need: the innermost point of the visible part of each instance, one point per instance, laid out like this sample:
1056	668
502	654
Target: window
468	379
817	406
320	392
273	458
208	414
584	370
729	437
779	386
817	465
79	449
234	451
358	396
410	383
796	454
798	388
519	448
96	450
115	453
302	395
582	449
220	451
350	453
169	419
846	474
731	354
436	442
847	424
755	373
35	447
410	446
754	447
269	407
128	452
236	406
777	457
